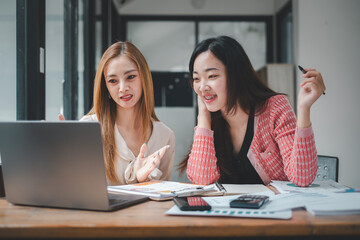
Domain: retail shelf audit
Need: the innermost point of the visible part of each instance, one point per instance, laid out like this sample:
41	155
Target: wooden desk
148	220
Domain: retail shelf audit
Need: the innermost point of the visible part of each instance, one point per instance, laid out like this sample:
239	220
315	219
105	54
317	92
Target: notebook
57	164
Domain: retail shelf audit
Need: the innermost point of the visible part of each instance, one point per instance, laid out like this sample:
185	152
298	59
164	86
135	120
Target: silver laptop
57	164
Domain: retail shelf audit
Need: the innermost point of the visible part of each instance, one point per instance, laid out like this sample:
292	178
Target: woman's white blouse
124	163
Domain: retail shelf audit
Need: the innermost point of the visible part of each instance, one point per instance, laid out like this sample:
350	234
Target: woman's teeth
209	97
126	97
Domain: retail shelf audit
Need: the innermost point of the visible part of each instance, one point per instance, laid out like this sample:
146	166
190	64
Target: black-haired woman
246	132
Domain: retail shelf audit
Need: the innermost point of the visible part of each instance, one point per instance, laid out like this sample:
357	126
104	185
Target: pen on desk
349	190
189	192
190	189
304	72
220	187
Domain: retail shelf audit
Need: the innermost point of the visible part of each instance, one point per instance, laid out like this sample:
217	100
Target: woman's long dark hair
244	87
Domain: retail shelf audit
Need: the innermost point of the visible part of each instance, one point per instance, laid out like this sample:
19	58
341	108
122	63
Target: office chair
328	167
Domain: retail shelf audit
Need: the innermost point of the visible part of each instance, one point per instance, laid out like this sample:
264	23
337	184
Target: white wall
182	121
206	7
327	37
278	4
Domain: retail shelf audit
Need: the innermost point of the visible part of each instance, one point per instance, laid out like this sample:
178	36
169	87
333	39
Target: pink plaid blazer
279	150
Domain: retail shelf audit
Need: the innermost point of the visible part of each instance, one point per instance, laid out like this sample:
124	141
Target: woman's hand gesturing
145	165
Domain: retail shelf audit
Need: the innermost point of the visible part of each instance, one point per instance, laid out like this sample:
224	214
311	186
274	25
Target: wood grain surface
149	220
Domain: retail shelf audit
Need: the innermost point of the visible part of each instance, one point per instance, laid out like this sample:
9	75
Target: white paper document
224	201
235	189
316	203
161	190
315	187
233	212
336	204
244	188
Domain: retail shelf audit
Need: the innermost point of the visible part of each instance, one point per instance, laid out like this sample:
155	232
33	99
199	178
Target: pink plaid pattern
196	201
281	151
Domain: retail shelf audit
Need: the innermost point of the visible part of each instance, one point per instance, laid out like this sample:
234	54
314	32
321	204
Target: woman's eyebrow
211	69
208	69
114	75
129	71
110	75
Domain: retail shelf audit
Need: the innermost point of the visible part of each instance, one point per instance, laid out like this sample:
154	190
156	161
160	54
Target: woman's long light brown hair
105	107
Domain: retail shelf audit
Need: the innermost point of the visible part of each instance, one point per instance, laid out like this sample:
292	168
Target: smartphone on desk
191	204
249	201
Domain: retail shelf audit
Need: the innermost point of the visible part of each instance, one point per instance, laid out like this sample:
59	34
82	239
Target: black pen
304	72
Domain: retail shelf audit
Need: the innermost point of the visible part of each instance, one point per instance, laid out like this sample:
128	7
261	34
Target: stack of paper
320	198
162	190
335	204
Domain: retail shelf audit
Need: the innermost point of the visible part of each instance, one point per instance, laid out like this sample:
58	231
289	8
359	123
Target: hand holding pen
311	88
304	72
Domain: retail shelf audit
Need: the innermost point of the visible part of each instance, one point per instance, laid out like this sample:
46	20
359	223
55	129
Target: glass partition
54	74
8	60
54	58
166	45
251	35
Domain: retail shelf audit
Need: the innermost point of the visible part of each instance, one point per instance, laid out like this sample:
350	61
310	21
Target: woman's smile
210	98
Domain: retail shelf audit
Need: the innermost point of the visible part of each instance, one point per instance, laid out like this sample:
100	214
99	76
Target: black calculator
249	201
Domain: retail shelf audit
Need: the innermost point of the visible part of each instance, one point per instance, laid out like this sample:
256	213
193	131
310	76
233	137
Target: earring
109	95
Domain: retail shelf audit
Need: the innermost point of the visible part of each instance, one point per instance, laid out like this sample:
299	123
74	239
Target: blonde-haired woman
137	146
